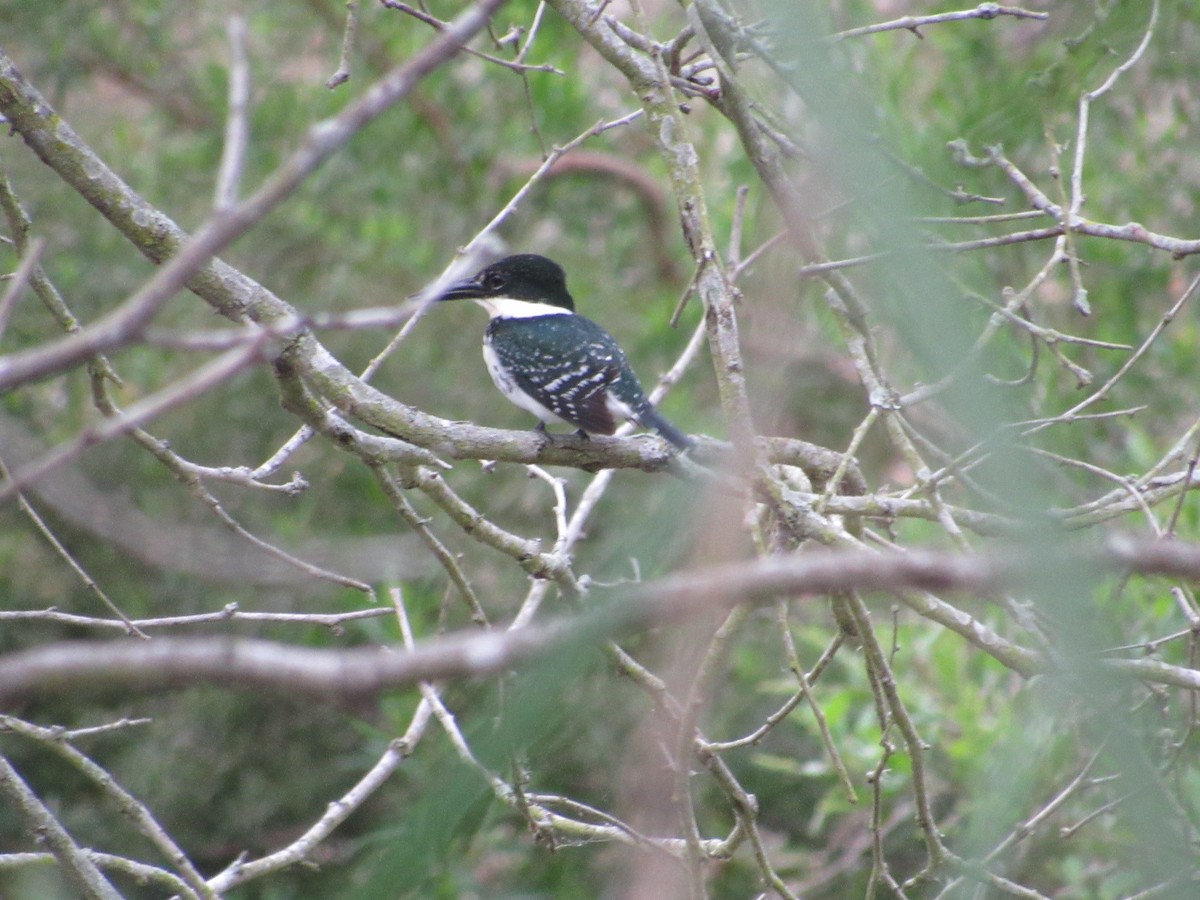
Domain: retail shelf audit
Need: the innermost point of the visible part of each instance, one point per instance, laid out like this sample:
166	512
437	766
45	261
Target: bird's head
525	277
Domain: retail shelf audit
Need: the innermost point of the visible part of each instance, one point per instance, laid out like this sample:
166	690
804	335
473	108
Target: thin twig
1085	103
434	22
342	74
88	582
237	128
182	391
913	23
20	280
1137	354
444	557
231	612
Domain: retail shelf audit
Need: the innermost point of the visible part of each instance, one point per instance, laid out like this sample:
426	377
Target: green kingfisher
549	360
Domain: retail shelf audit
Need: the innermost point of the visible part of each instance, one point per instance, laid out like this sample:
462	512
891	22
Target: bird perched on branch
551	361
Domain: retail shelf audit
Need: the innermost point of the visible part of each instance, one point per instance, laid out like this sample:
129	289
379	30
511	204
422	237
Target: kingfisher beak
467	289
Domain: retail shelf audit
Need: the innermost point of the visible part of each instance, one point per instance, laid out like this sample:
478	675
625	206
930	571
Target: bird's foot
547	437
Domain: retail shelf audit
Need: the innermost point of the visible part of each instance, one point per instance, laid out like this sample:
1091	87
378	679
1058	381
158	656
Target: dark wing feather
566	363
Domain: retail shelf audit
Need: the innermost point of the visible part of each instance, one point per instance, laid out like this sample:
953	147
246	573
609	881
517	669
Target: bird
550	361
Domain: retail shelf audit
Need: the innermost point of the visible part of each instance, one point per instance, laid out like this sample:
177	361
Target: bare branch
190	259
1104	389
336	813
132	809
230	613
433	21
345	674
237	127
1085	103
90	583
76	863
913	23
188	388
20	280
342	74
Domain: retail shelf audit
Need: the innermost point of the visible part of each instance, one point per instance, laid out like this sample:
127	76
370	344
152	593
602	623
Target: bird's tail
649	417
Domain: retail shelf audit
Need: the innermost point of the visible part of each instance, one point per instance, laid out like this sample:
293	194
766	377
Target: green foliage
145	84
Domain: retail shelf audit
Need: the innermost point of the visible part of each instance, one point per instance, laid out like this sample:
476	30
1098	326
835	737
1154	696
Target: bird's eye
493	281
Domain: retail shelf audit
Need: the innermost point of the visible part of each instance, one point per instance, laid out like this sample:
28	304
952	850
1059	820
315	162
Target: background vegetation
909	242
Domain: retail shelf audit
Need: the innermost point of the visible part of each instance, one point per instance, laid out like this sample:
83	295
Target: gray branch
352	674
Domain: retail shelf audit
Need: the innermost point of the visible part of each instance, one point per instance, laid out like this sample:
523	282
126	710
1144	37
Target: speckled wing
569	365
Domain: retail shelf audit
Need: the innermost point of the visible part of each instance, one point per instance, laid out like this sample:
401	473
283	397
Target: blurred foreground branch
361	672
